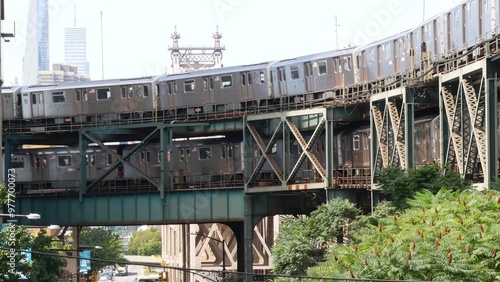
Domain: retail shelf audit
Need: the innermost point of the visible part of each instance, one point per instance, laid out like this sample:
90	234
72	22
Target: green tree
43	267
292	251
450	236
402	185
12	263
302	241
145	242
112	246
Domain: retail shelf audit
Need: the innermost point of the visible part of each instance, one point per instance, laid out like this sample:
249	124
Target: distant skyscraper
75	48
36	56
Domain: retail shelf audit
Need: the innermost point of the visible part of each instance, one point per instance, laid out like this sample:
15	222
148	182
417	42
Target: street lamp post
223	251
32	216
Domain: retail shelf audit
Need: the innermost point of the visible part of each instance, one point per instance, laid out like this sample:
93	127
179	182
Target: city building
36	56
75	48
61	72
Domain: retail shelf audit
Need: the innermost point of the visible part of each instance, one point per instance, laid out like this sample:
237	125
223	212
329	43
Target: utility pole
102	52
336	32
423	11
335	20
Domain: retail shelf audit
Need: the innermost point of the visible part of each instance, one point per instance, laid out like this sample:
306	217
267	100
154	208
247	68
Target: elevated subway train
465	32
205	163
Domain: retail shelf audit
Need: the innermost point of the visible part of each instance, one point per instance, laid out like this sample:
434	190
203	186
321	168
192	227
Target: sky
136	34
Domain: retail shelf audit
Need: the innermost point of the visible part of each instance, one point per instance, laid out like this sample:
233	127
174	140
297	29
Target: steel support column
391	124
468	100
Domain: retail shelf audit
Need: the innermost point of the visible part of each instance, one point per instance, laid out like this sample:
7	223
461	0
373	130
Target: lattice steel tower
187	59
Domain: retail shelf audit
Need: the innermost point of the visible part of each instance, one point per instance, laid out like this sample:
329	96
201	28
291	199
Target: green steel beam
188	206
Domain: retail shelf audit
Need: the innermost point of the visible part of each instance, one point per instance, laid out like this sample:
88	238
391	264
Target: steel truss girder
165	131
266	149
306	149
283	127
469	102
392	129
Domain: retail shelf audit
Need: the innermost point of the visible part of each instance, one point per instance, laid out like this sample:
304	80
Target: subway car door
226	158
309	77
282	81
208	90
184	167
246	86
40	168
37	106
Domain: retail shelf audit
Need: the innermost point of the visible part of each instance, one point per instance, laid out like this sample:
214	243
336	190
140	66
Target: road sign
84	260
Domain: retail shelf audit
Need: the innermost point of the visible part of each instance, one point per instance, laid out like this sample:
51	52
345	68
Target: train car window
38	161
189	85
188	154
146	91
222	152
44	162
110	159
205	84
159	157
33	98
63	161
148	156
182	156
123	92
103	93
229	152
175	87
142	158
322	67
243	79
17	162
78	96
130	91
281	74
40	97
348	63
91	159
355	143
169	87
211	84
262	77
388	51
226	81
58	97
336	66
85	95
205	153
140	91
249	76
294	72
